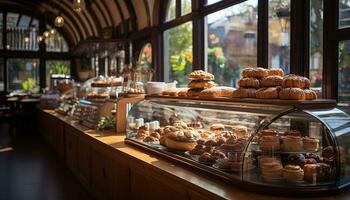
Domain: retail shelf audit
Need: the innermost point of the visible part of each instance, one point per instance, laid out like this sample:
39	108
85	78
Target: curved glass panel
294	151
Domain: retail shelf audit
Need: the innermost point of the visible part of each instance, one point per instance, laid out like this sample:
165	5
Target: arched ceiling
99	15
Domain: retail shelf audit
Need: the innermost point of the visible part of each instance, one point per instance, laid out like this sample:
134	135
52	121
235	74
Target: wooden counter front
110	169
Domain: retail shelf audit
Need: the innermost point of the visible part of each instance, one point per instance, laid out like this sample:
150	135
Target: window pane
145	59
232	41
21	32
186	6
23	73
178	53
1	27
344	13
212	1
61	67
316	45
2	88
344	72
55	42
171	12
279	34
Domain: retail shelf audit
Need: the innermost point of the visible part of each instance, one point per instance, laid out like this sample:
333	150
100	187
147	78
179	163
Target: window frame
299	54
42	55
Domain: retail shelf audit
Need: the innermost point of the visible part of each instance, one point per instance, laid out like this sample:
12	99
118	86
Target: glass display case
101	88
273	146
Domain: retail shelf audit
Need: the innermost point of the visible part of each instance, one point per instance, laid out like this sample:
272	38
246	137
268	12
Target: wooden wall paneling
71	148
60	138
84	161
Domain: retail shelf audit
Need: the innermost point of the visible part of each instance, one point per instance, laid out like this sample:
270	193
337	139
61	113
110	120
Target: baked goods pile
107	82
292	158
200	80
263	83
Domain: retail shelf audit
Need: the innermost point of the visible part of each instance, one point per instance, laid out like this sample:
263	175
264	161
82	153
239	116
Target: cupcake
310	172
293	174
271	170
292	143
269	143
310	144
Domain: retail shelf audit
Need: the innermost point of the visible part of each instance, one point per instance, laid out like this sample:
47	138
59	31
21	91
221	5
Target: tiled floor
30	170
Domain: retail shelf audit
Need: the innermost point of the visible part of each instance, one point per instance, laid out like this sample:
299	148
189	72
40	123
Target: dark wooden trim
299	50
263	35
179	21
95	19
144	33
133	17
330	50
157	53
102	12
199	35
4	41
109	14
145	2
178	12
219	6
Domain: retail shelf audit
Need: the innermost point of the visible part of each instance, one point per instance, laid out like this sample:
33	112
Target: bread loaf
292	94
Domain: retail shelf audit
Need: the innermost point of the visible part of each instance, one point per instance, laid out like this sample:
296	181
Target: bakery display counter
110	169
298	148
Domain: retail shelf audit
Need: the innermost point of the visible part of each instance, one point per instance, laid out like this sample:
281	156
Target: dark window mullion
4	41
178	8
263	33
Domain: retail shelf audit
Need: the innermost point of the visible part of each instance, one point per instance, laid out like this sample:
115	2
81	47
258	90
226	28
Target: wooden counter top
188	177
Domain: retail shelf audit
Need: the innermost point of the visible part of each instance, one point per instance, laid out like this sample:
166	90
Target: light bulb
26	39
53	31
46	34
40	38
59	21
78	5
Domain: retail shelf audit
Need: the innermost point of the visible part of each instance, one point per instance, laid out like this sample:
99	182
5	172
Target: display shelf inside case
278	148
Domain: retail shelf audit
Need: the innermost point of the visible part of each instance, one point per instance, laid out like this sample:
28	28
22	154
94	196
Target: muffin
269	143
240	131
292	143
293	174
296	159
310	144
310	172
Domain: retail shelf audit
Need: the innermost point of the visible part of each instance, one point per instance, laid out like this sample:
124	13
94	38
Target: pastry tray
302	104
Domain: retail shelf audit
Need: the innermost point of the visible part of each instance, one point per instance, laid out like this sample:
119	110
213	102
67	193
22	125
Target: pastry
292	143
240	131
292	94
142	133
200	74
220	140
267	159
235	147
268	93
151	139
195	124
201	84
194	92
180	124
307	161
215	92
269	143
294	81
314	156
275	72
218	154
310	144
174	92
182	140
249	83
268	132
292	133
182	92
254	73
198	150
100	83
210	143
293	173
310	172
208	149
217	127
272	169
271	81
229	135
165	93
162	140
224	164
244	93
310	94
155	135
207	158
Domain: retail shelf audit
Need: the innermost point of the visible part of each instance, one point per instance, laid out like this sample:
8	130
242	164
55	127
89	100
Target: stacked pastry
296	88
259	83
200	80
263	83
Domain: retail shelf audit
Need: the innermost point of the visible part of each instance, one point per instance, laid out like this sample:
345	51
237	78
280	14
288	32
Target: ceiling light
26	39
47	34
78	5
59	21
53	31
40	38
